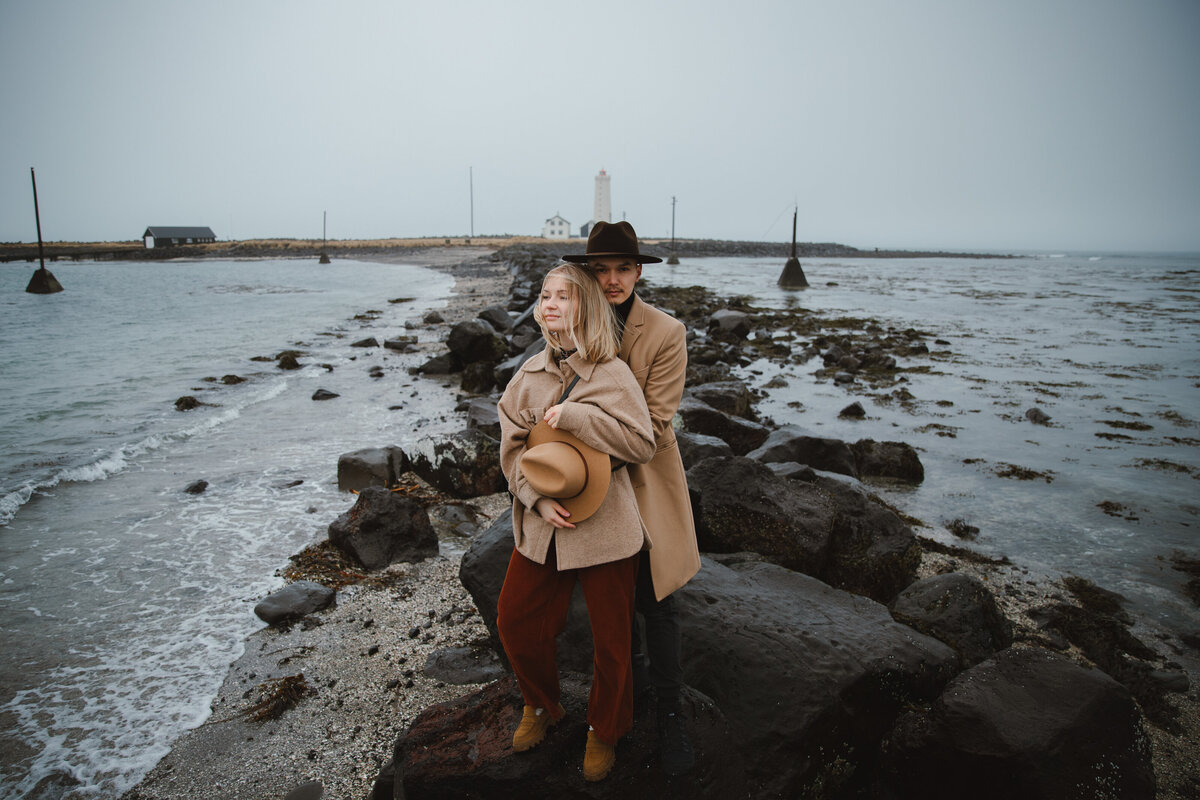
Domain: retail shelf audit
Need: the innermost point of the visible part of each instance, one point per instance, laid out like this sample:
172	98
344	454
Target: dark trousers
534	602
662	637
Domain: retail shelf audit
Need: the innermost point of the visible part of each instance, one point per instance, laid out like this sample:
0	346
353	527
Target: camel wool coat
655	348
606	410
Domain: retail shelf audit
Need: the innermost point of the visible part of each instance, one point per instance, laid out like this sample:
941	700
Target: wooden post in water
792	276
673	259
42	282
324	259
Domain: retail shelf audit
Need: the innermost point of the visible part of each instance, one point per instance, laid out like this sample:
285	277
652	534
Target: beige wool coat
605	410
655	348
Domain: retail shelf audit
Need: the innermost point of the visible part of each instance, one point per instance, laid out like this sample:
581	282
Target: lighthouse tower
602	208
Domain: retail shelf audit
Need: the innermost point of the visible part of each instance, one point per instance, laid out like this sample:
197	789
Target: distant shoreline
349	248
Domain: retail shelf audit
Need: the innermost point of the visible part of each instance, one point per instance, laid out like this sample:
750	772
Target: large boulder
732	397
373	466
294	601
476	340
463	464
872	551
742	435
463	749
809	677
791	443
695	447
897	460
959	610
1026	723
498	317
384	527
740	504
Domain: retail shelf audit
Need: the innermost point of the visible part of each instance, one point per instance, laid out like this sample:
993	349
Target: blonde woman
570	419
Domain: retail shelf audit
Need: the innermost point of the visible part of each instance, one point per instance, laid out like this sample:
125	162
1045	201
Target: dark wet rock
872	551
463	749
232	380
1037	416
741	435
478	378
482	415
373	466
476	340
370	341
375	371
187	403
956	609
401	344
1101	632
843	377
462	665
896	460
727	320
507	368
853	411
732	397
324	394
196	487
1026	723
810	678
807	675
382	528
694	447
739	504
288	361
442	364
310	790
793	471
497	317
293	601
791	443
432	318
462	464
699	374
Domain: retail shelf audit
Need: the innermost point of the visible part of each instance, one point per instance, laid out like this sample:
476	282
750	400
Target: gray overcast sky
1028	124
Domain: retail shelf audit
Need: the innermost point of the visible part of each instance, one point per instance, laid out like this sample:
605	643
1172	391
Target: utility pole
673	259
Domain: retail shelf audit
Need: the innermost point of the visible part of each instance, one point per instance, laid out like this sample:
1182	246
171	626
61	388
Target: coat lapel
633	327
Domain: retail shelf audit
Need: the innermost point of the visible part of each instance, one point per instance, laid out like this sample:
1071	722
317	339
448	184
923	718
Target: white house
556	228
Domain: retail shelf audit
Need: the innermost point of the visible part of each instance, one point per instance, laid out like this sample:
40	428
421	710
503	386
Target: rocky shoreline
410	635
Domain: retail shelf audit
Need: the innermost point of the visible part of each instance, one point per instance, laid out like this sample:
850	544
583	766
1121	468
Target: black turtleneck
622	310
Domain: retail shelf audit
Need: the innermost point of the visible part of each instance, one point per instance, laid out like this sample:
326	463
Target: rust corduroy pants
533	607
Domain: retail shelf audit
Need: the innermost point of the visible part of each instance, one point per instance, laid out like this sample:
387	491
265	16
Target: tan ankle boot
598	758
533	727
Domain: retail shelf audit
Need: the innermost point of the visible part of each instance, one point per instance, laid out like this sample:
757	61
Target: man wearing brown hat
653	345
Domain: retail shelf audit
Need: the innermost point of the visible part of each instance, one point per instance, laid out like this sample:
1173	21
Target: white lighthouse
602	208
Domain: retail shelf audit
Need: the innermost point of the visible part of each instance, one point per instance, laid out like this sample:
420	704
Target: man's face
617	276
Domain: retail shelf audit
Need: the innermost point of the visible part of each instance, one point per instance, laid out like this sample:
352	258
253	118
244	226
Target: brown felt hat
612	239
558	465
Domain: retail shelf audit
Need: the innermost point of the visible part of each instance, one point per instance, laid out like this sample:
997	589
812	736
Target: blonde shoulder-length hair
593	330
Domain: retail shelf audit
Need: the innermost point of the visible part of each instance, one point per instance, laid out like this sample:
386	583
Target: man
654	347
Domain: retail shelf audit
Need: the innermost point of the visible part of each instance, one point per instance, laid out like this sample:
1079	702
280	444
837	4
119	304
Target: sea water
1105	344
123	599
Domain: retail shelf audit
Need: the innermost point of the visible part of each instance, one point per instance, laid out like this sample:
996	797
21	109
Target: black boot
674	746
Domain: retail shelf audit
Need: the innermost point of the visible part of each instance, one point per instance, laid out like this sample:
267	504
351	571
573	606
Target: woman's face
558	305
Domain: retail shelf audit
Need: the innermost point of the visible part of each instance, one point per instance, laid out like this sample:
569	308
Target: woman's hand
552	512
552	414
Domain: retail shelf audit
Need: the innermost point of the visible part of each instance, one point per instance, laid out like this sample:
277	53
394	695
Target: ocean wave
106	464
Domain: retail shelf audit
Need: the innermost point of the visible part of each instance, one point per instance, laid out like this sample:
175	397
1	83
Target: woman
571	417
